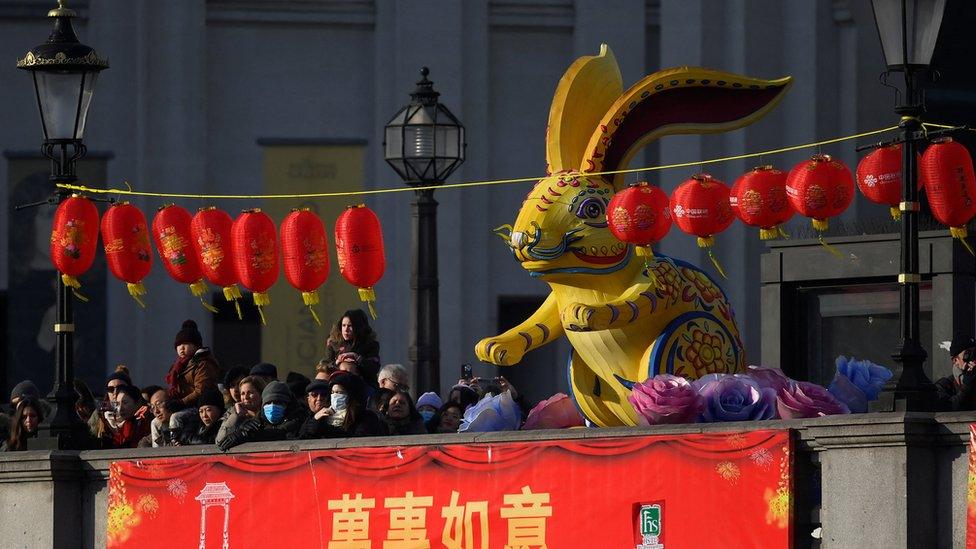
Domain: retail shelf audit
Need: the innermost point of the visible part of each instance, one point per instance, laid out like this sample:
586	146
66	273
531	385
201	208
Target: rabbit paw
501	352
577	317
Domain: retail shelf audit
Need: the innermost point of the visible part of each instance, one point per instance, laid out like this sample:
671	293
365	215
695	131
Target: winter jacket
259	429
407	426
128	435
954	393
197	433
190	380
368	424
369	361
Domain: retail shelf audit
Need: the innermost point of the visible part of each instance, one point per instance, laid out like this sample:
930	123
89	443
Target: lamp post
908	30
64	72
424	143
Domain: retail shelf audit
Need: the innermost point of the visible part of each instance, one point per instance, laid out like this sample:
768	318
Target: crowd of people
204	403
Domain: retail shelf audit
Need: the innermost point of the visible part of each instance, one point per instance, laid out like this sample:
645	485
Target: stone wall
867	480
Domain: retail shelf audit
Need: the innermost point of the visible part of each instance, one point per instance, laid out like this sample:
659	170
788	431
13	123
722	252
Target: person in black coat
344	414
280	418
353	341
205	425
958	391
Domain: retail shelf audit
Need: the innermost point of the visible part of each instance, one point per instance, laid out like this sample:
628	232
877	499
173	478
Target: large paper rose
492	413
849	394
864	374
736	398
774	378
556	412
806	399
665	399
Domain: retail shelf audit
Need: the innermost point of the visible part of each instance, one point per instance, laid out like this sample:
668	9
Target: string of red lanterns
212	247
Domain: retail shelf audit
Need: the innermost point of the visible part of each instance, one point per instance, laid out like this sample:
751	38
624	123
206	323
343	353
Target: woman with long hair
352	340
401	414
249	390
24	425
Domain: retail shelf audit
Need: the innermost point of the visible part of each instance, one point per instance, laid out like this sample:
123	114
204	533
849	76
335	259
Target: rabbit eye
591	208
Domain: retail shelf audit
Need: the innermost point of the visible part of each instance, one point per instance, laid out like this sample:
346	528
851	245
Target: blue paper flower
733	398
864	374
849	394
492	413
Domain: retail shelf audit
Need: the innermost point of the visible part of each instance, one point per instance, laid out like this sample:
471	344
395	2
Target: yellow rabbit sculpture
623	328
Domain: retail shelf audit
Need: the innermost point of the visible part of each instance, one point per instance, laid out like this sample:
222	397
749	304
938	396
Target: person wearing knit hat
428	404
346	414
958	390
204	429
25	388
195	369
281	418
265	370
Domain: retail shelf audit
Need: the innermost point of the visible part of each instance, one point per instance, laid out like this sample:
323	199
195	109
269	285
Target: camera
466	372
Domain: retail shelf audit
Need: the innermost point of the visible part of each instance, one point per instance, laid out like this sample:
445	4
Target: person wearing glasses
394	377
119	377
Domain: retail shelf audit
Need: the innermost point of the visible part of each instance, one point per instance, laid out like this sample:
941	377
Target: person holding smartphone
958	391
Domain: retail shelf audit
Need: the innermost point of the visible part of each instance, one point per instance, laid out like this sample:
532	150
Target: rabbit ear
673	101
585	92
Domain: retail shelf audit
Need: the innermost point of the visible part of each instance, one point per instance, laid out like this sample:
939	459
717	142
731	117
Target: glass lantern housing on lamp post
64	72
908	30
424	144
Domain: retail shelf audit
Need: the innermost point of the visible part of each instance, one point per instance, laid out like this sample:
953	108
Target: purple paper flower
736	398
806	399
864	374
492	413
774	378
556	412
849	394
666	399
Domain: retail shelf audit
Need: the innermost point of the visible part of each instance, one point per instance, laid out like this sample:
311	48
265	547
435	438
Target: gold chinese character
526	519
458	527
350	524
408	522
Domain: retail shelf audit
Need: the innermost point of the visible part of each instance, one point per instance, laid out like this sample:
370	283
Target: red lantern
879	177
640	215
359	245
758	198
947	170
256	254
210	232
700	206
820	188
74	237
127	250
174	242
305	252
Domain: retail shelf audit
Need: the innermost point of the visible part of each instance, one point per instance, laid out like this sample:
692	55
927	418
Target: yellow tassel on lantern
311	299
820	224
260	300
233	293
137	290
960	233
74	284
895	213
707	242
199	289
369	296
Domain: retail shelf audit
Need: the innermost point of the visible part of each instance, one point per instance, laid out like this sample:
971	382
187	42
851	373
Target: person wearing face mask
427	405
344	414
280	418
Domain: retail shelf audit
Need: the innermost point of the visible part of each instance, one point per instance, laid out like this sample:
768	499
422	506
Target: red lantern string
256	255
74	238
359	246
758	198
879	177
640	215
127	249
174	243
305	254
820	188
700	206
947	169
210	231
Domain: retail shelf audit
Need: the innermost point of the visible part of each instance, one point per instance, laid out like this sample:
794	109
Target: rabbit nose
518	240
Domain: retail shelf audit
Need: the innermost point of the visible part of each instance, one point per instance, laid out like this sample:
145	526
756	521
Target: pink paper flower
665	399
774	378
556	412
806	399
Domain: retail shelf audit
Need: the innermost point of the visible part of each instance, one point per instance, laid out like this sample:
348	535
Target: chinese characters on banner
649	492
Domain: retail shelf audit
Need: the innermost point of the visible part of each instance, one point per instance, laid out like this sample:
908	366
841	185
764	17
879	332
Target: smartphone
466	372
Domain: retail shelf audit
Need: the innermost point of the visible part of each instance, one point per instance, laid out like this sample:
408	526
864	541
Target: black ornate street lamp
424	143
64	73
909	30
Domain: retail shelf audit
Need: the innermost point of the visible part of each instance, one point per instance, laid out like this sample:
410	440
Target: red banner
971	491
648	492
